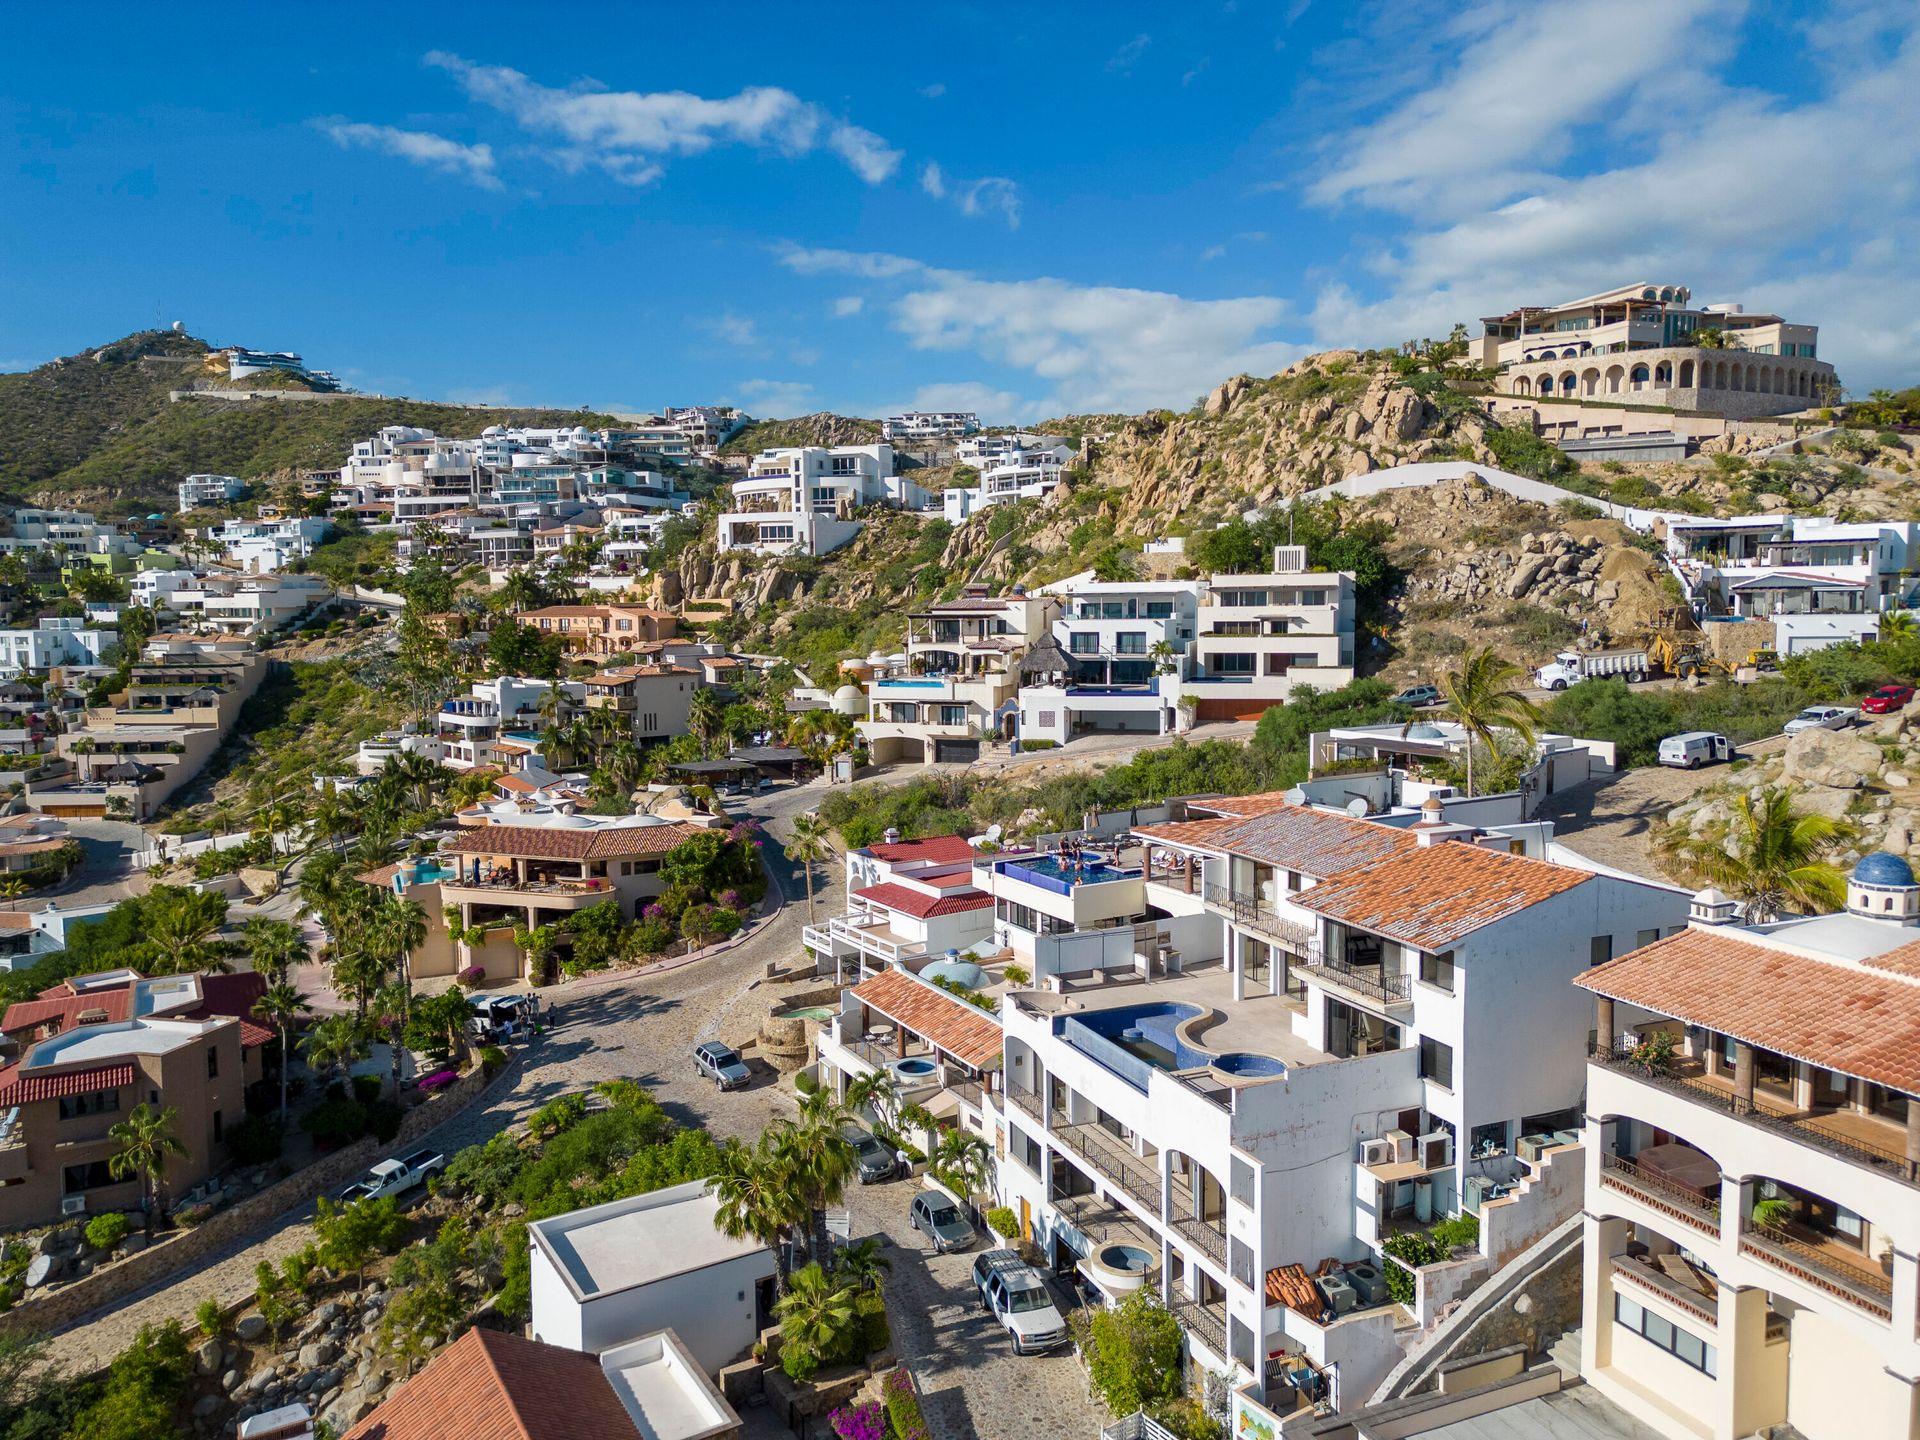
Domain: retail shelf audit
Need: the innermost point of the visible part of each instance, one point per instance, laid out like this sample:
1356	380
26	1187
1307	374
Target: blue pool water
1132	1039
1048	873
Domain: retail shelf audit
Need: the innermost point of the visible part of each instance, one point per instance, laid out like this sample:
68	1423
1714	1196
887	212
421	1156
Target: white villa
803	500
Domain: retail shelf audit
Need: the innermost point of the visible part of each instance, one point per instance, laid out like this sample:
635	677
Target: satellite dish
1358	808
179	327
1295	796
994	833
41	1270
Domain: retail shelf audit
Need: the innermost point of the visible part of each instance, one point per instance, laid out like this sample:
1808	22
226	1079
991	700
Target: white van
1695	748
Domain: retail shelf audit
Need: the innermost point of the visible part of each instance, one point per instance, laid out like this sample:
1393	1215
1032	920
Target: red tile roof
544	842
921	905
1294	837
1433	895
491	1386
18	1089
222	997
1824	1012
1244	806
937	849
966	1032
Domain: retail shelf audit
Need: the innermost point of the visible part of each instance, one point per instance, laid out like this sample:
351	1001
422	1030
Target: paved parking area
971	1382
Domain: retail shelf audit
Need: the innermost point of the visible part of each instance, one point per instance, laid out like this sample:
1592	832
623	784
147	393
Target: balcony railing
1206	1322
1871	1292
1027	1099
1696	1088
1141	1185
1248	910
1672	1291
1372	981
1660	1193
1208	1237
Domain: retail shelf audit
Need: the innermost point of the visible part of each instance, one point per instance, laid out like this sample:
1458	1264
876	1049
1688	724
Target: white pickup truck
392	1177
1570	667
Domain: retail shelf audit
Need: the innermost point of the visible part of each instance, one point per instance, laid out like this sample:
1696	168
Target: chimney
1711	907
1289	559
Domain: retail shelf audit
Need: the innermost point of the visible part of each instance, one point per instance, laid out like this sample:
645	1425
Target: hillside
96	428
823	428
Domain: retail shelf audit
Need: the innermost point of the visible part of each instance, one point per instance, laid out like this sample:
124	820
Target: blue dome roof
1880	868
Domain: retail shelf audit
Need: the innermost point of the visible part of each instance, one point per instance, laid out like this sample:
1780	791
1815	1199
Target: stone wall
112	1283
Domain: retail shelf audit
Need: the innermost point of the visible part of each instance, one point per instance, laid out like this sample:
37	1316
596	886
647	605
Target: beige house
597	631
653	701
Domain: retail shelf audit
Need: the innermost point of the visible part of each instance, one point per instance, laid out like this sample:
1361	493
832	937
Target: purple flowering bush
859	1422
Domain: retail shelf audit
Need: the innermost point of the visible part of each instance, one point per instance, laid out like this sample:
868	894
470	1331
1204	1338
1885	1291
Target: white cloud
1213	252
933	182
781	399
628	134
1123	59
848	305
421	147
1096	348
1746	199
989	195
734	329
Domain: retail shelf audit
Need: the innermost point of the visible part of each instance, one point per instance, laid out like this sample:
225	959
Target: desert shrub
255	1140
1003	1222
108	1230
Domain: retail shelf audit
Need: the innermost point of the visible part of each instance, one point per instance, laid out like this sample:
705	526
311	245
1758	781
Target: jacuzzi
1246	1066
914	1070
1118	1270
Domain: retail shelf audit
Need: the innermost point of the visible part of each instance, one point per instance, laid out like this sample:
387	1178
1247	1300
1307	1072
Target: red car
1887	699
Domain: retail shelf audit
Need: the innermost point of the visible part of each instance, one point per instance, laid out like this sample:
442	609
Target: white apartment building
1281	1033
1638	344
907	903
1018	472
72	532
244	364
929	425
263	547
1753	1172
802	500
1259	637
59	641
250	605
981	451
198	490
498	724
706	427
1118	654
956	684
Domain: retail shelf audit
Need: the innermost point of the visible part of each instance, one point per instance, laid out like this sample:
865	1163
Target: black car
876	1158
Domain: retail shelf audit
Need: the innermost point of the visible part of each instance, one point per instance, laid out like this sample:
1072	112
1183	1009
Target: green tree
819	1161
1136	1345
334	1044
877	1092
757	1199
817	1320
705	716
1770	857
352	1235
437	1024
1484	696
1899	625
537	945
274	947
965	1161
282	1007
143	1143
807	846
863	1263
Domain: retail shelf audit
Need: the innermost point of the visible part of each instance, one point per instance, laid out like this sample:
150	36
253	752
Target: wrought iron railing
1142	1185
1208	1237
1372	981
1248	910
1027	1099
1661	1193
1206	1322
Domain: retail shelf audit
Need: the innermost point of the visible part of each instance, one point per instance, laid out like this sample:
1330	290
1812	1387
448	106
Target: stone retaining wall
114	1282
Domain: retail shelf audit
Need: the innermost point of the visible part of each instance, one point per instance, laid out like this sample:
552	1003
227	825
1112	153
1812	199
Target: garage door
956	752
1213	712
77	812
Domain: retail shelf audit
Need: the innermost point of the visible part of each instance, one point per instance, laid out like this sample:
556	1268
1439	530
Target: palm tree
705	715
807	846
281	1007
966	1161
1114	566
816	1314
1484	696
334	1044
275	947
819	1161
862	1263
391	1006
756	1200
184	932
1770	858
1898	625
144	1142
878	1092
522	590
332	818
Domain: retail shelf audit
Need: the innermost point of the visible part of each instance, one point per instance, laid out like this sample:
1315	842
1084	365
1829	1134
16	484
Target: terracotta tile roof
919	904
1294	837
1431	896
492	1386
938	849
1243	806
1291	1286
967	1033
62	1006
543	842
18	1089
16	920
1901	960
222	997
1824	1012
382	877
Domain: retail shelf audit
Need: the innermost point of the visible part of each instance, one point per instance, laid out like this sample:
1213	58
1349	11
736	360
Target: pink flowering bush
439	1080
859	1422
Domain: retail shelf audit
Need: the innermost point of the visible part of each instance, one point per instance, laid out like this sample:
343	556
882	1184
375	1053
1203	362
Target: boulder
1827	800
313	1356
207	1356
250	1328
1523	576
207	1406
1832	758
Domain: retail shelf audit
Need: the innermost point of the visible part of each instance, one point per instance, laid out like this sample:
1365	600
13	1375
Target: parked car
1694	749
1820	717
721	1064
1419	695
1016	1295
1887	699
874	1156
942	1219
392	1177
501	1017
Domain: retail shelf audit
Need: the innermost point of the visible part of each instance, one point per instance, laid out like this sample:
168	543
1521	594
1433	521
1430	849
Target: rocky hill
823	428
96	429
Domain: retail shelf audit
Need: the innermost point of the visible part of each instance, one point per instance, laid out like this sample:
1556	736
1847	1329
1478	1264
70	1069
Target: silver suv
1016	1295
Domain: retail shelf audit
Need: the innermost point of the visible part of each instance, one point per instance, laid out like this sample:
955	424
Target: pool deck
1260	1024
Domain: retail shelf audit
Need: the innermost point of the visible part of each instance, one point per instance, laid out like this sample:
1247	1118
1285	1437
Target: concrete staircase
1565	1353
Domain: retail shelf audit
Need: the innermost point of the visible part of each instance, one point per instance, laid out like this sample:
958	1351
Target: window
1083	642
1240	1260
94	1102
213	1061
1436	1062
1130	642
1159	609
1046	719
219	1127
1599	950
1658	1330
953	714
1235	664
75	1178
1437	970
1645	937
1240	1180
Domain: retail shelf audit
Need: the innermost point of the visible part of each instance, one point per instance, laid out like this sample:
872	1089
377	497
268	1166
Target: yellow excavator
1676	645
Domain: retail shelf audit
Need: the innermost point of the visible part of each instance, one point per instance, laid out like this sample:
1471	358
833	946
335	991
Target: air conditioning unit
1477	1187
1436	1150
1532	1147
1402	1145
1376	1152
73	1205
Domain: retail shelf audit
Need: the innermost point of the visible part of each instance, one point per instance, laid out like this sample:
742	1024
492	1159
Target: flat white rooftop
636	1241
663	1390
96	1043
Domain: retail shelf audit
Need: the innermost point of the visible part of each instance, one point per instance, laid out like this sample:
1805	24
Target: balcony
1824	1264
1862	1139
1026	1099
1250	911
1210	1238
1371	982
1113	1160
1206	1323
1674	1201
1701	1304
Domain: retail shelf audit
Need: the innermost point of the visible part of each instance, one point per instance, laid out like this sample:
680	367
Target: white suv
1016	1295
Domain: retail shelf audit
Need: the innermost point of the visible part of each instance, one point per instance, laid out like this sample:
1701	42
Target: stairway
1565	1352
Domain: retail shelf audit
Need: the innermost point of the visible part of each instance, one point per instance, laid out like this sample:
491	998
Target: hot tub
914	1069
1244	1065
1119	1270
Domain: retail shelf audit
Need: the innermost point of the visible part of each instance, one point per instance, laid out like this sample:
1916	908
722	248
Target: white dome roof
849	700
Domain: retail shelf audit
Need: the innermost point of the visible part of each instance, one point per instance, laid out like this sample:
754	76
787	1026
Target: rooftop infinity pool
1130	1039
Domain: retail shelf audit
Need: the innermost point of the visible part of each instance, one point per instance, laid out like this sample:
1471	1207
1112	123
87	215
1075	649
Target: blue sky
1022	210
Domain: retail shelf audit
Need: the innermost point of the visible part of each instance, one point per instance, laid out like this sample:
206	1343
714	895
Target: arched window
1663	373
1639	376
1567	383
1686	374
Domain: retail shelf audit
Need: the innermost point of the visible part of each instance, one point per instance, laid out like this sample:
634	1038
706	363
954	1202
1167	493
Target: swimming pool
822	1013
1049	873
1132	1039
